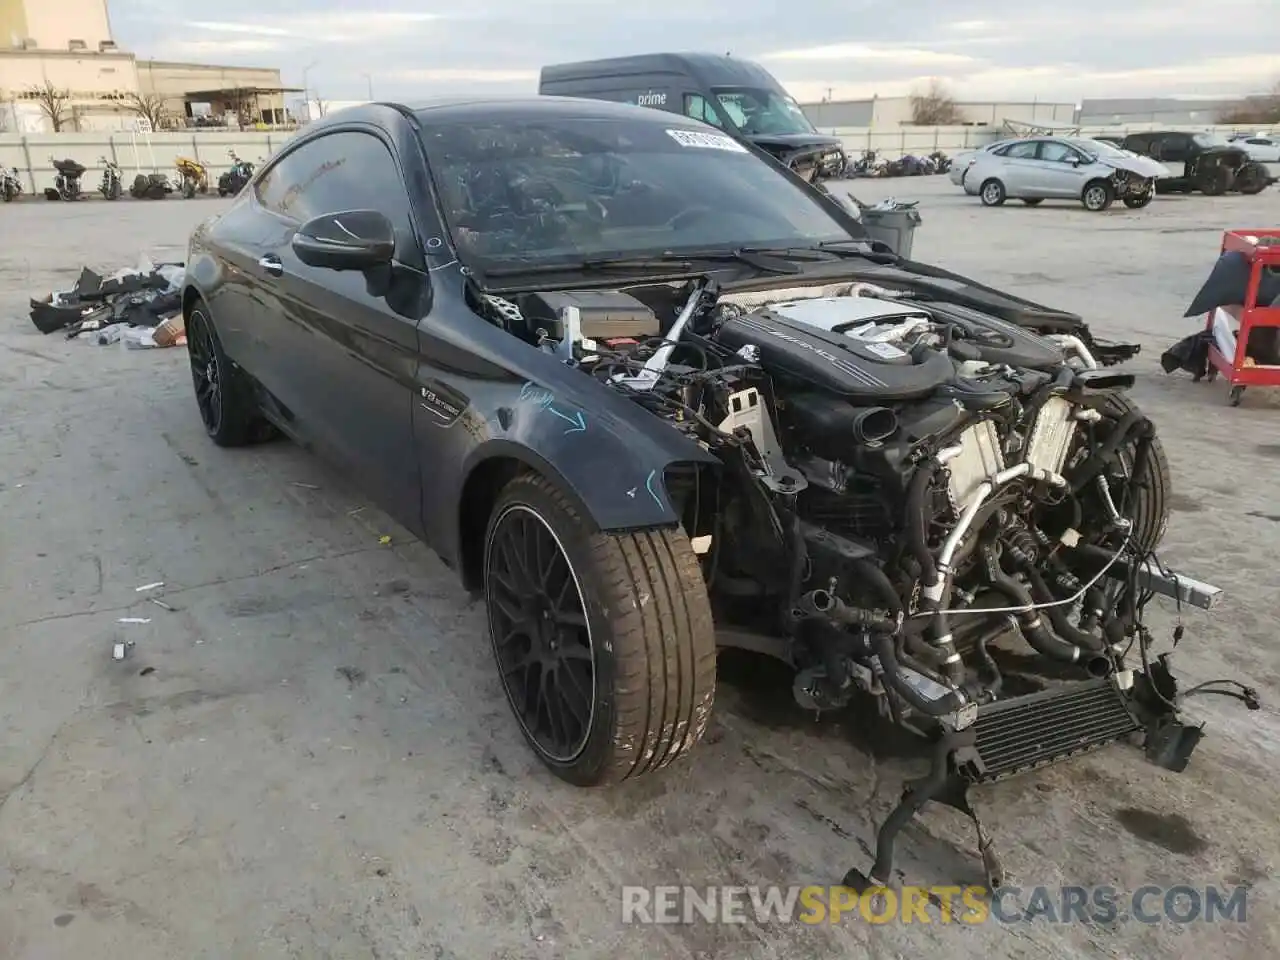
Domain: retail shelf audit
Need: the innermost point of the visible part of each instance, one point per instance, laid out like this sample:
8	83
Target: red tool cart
1262	248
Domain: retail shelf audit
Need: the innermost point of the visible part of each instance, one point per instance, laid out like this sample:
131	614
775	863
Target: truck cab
739	97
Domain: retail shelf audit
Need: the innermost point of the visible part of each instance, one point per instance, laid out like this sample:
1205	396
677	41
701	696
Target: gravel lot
311	756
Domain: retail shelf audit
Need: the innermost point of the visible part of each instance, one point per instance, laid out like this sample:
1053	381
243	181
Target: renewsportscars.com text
1179	904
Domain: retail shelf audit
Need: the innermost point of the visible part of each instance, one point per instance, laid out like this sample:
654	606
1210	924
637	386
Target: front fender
614	474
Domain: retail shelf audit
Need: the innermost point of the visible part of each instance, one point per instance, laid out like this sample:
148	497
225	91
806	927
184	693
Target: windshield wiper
760	259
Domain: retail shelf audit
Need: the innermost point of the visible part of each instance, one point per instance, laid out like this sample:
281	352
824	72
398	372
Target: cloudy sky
1011	49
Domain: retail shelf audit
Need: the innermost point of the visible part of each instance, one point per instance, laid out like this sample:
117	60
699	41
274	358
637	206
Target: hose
1030	624
917	537
950	702
1084	474
1058	616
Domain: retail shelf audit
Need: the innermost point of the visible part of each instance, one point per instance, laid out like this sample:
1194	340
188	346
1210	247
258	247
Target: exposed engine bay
920	503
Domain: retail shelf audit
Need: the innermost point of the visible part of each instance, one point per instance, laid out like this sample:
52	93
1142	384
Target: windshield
1209	140
756	111
1100	148
566	189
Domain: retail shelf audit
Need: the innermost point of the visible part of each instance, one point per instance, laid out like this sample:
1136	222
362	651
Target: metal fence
33	154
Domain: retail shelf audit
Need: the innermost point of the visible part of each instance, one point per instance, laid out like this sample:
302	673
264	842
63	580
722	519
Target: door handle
272	265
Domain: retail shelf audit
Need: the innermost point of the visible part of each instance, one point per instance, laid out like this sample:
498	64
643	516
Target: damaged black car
651	394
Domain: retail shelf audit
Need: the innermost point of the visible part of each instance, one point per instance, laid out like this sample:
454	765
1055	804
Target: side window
696	106
338	171
1022	150
1138	144
1175	146
1056	152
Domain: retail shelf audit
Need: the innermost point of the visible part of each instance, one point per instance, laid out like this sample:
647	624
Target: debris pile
139	307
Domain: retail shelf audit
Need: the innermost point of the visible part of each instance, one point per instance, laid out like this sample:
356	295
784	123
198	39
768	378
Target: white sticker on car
706	141
888	351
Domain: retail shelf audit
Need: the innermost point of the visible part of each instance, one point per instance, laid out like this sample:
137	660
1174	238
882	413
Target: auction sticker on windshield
707	141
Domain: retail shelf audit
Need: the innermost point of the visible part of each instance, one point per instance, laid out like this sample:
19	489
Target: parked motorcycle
111	186
941	162
193	177
10	184
233	181
66	185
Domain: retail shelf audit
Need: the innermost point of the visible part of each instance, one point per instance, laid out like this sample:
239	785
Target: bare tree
150	107
54	102
1264	109
935	107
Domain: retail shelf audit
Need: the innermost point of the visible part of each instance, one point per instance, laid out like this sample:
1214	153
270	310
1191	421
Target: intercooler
1017	735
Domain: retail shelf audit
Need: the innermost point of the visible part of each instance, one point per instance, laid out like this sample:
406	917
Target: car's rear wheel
1097	196
992	193
1033	201
1214	181
604	642
223	394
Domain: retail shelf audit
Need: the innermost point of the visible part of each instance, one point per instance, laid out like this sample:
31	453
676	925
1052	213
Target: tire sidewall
574	537
1099	189
997	193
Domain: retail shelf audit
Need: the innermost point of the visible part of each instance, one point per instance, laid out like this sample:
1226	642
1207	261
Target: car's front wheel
992	193
604	642
224	396
1140	200
1097	196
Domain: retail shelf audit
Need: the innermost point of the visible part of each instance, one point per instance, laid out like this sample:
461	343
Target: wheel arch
654	501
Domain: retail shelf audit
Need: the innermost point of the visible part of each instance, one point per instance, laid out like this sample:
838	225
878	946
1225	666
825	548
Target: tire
1137	203
1149	509
188	190
1252	178
1033	201
224	395
649	638
1097	196
1214	181
992	193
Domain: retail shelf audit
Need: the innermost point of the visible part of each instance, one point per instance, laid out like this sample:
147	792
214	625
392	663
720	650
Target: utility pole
369	80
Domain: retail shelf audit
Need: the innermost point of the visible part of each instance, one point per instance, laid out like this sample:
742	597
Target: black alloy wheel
206	371
540	633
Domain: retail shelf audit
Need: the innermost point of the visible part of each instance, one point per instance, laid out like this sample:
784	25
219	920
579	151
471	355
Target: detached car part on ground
1035	169
773	434
1200	161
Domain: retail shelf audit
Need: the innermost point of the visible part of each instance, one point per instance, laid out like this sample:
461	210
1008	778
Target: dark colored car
1199	161
652	394
737	96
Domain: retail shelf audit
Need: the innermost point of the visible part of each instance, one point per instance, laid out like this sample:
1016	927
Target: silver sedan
1058	168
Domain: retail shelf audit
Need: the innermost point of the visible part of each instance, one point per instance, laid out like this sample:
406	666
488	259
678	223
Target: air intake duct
828	423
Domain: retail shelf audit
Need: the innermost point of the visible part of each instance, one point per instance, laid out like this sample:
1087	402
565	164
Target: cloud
1008	49
465	75
859	52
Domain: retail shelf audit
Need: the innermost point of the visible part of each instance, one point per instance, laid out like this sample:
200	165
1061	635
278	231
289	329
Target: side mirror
351	240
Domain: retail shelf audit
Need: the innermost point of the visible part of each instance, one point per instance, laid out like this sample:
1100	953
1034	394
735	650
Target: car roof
489	109
710	68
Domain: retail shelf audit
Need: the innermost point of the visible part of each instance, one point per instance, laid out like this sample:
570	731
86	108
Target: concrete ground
310	756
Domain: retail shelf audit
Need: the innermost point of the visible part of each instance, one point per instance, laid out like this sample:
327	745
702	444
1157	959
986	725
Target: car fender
612	466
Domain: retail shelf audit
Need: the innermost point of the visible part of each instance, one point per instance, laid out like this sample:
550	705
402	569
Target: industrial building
61	68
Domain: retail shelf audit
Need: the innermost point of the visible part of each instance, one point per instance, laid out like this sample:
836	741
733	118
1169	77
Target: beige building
61	69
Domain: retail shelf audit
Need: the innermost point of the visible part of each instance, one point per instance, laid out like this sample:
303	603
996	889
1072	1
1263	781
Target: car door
346	344
1174	151
1017	168
1061	170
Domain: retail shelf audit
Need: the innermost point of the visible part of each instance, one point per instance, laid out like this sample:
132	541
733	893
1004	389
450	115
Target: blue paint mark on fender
536	396
648	485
